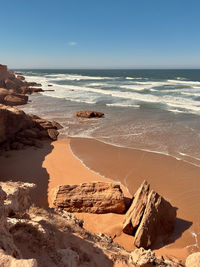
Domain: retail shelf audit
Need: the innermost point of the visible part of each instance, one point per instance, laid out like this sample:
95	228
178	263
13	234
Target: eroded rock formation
17	129
150	218
15	87
96	197
136	210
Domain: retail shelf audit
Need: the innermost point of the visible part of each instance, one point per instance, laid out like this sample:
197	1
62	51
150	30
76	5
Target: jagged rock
136	210
17	196
193	260
95	197
147	258
89	114
53	134
12	120
157	222
57	125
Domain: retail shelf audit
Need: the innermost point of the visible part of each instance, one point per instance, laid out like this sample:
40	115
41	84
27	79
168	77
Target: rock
50	85
193	260
30	133
20	77
15	100
35	90
17	196
89	114
12	120
157	223
147	258
57	125
136	210
53	134
94	197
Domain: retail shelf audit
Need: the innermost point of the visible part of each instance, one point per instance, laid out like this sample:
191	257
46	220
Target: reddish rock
56	125
89	114
20	77
136	210
53	134
12	120
94	197
157	223
15	100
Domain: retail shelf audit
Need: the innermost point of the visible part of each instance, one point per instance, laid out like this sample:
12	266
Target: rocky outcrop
15	88
150	218
18	129
89	114
96	197
193	260
10	98
136	210
157	222
147	258
17	196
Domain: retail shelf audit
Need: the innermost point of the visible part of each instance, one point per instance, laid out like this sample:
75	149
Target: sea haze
155	110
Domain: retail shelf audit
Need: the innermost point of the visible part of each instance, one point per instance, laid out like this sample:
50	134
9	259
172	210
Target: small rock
89	114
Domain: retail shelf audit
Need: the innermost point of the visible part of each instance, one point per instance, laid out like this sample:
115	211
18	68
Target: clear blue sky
100	33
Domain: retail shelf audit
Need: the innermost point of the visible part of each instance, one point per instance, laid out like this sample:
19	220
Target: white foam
75	77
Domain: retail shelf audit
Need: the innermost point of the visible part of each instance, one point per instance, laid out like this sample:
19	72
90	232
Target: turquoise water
156	110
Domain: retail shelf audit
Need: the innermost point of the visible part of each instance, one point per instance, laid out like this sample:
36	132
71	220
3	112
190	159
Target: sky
100	33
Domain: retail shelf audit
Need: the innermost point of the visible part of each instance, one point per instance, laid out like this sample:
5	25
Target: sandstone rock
147	258
15	100
12	120
157	223
95	197
53	134
17	196
32	133
89	114
56	125
193	260
136	210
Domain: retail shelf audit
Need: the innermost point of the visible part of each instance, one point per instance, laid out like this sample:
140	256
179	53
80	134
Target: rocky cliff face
13	89
17	129
31	237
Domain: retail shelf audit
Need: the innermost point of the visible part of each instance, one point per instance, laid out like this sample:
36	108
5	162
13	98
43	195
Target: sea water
154	110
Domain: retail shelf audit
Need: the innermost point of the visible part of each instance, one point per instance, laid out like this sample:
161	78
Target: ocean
152	110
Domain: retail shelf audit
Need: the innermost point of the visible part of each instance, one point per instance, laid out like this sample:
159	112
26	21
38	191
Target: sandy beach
55	164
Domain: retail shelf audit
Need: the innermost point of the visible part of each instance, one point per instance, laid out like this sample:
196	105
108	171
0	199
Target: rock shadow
180	227
26	166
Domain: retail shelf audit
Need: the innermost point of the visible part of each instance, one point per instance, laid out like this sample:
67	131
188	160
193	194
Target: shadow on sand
26	166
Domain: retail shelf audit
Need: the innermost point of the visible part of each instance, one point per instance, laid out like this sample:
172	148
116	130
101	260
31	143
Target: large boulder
95	197
89	114
157	223
12	120
136	210
15	100
193	260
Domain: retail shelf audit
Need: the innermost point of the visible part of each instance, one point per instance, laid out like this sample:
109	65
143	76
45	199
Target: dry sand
54	165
